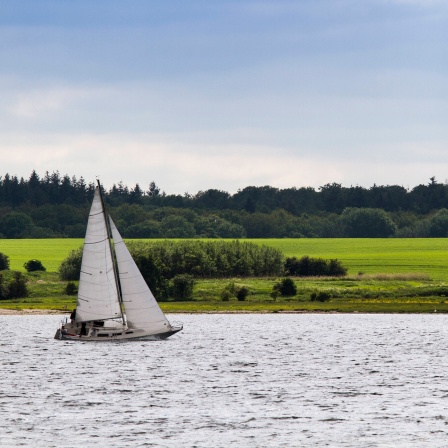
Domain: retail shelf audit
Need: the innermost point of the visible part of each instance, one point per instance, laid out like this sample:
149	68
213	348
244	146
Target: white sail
97	293
142	309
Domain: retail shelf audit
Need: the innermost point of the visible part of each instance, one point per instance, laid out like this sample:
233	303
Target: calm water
230	380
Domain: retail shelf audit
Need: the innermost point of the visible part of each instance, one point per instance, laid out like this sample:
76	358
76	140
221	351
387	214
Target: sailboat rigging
114	301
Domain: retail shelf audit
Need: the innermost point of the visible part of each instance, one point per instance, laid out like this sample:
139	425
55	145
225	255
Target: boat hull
113	335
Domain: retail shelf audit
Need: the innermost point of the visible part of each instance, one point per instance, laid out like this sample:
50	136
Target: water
230	380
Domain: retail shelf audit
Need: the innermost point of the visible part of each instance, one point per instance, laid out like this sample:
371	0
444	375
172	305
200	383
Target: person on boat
73	315
64	330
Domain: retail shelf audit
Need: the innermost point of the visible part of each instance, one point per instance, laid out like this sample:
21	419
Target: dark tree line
57	206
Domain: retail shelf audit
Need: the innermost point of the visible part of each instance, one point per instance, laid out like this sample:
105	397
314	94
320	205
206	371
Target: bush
198	258
285	288
228	292
70	268
225	295
210	259
233	291
320	297
153	276
242	293
71	289
314	267
182	287
17	286
3	288
4	262
34	265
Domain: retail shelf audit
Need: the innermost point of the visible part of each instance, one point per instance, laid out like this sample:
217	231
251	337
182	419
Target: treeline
57	206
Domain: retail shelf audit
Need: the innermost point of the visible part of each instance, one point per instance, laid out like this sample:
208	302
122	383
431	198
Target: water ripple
230	380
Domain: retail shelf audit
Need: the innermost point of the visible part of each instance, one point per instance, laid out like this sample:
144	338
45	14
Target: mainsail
97	294
142	309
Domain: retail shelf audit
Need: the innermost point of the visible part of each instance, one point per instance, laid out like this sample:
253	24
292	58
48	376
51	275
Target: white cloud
179	167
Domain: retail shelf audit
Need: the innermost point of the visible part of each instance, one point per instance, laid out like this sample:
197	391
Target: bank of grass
384	275
369	293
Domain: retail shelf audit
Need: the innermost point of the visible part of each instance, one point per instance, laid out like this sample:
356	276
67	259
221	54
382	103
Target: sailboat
114	301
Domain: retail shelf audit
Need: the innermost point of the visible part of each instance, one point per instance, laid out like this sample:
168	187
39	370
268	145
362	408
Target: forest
56	206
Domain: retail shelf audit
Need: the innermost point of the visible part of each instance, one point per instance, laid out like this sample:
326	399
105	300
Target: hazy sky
224	94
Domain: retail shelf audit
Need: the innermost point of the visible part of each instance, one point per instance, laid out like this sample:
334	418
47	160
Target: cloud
179	167
37	103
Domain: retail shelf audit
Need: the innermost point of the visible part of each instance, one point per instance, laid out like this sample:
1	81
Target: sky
225	94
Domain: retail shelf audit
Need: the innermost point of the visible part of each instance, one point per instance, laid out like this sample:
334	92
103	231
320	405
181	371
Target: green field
391	255
379	288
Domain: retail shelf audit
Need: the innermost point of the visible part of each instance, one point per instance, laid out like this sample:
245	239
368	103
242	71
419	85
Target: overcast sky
224	94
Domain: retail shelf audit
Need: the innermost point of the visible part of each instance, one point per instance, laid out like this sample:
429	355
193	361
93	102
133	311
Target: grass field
369	255
380	288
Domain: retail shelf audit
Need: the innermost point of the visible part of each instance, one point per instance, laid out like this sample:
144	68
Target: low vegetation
325	294
34	265
384	275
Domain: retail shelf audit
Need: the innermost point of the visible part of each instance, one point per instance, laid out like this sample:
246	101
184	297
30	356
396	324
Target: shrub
320	297
4	262
17	286
228	292
34	265
285	287
231	290
242	293
3	288
314	267
70	268
211	259
225	295
198	258
182	287
71	289
153	276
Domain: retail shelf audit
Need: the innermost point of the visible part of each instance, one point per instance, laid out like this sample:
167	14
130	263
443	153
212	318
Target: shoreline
28	312
40	312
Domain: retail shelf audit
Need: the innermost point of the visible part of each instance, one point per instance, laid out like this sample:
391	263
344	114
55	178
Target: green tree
3	288
367	223
70	268
17	286
182	287
16	225
4	262
177	227
439	224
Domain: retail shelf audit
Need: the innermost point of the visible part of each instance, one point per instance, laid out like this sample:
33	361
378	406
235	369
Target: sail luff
97	292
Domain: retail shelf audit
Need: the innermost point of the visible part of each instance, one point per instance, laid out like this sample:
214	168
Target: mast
114	259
